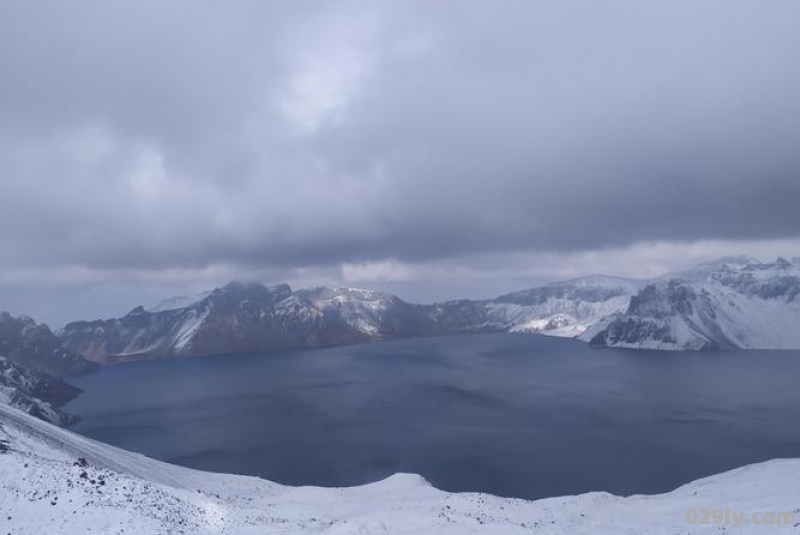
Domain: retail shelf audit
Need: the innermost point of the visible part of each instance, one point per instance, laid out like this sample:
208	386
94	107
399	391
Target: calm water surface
515	415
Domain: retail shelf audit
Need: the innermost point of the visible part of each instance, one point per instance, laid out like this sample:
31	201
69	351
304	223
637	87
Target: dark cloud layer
276	135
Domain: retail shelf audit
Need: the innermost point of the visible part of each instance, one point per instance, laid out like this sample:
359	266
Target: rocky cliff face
35	347
37	394
735	303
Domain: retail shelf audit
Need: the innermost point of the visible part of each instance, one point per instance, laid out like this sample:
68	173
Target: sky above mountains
434	149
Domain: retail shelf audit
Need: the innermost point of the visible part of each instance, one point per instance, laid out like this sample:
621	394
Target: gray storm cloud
178	135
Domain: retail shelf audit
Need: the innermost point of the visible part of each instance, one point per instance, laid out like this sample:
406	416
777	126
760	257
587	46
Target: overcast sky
431	148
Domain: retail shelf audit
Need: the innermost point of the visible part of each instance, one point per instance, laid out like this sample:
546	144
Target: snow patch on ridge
193	322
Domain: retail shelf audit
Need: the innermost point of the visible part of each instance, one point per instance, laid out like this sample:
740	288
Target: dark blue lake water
515	415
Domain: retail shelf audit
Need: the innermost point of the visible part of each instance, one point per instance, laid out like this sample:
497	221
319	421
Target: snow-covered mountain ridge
567	308
734	303
252	317
247	318
54	481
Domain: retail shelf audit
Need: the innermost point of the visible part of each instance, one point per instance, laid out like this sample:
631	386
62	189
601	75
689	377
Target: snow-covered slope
35	393
734	303
54	481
